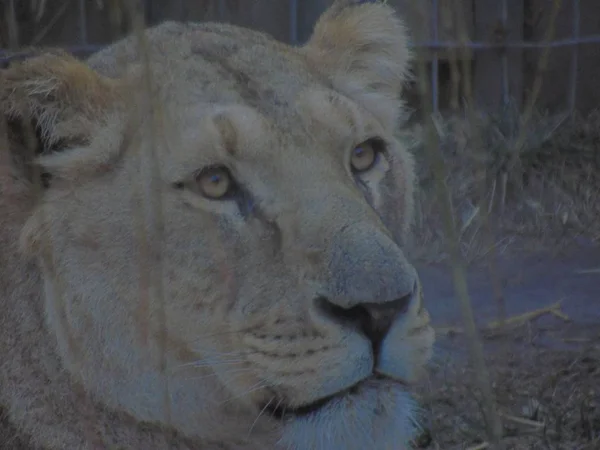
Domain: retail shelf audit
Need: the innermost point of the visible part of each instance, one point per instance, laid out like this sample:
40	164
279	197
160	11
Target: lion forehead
217	63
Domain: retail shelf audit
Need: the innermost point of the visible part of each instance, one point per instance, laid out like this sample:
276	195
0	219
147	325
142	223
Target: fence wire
83	48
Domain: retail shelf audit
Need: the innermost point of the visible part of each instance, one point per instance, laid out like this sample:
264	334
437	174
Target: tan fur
137	313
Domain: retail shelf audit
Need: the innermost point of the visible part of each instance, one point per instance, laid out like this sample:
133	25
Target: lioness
215	261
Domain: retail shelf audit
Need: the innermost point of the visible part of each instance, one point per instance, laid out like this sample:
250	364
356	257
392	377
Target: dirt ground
544	366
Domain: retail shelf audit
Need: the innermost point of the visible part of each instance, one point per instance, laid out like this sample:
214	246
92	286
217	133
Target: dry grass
542	194
537	193
548	397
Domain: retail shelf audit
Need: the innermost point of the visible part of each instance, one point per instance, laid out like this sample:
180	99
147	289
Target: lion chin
375	414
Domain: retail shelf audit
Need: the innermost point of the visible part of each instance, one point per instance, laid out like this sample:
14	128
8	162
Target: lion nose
373	319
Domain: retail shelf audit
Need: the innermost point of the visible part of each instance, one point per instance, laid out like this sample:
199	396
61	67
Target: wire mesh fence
499	45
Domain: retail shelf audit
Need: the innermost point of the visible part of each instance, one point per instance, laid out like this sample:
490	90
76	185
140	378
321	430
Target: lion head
221	233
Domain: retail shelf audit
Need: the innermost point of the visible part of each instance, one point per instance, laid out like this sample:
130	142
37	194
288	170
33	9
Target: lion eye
363	157
215	183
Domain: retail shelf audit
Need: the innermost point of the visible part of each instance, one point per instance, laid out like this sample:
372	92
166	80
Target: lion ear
363	48
61	97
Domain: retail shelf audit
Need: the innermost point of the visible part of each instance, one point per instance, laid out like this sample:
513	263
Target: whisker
205	363
256	387
215	359
207	354
234	352
258	417
221	333
214	374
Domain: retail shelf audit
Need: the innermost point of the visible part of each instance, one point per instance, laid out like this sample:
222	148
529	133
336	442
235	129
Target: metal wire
440	45
574	55
504	57
293	5
435	66
475	45
221	9
84	49
83	35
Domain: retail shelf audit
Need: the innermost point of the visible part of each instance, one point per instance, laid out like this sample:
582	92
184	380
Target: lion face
228	259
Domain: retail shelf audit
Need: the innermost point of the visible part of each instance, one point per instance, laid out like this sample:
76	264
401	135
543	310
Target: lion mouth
282	411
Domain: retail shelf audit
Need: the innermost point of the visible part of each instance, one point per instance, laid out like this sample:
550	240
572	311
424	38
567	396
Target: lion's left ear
362	46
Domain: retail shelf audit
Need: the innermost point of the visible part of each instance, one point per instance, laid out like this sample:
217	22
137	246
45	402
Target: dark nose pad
373	319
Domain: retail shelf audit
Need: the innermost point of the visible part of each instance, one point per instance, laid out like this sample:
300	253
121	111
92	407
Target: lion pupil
216	179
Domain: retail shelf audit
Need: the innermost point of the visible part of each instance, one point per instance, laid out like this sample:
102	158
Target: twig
523	421
520	319
516	320
584	271
151	233
57	16
494	428
481	446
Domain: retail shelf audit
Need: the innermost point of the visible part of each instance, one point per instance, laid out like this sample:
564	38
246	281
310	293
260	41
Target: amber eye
363	157
215	183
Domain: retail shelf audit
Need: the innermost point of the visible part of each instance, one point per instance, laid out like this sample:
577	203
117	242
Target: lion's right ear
60	94
63	99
